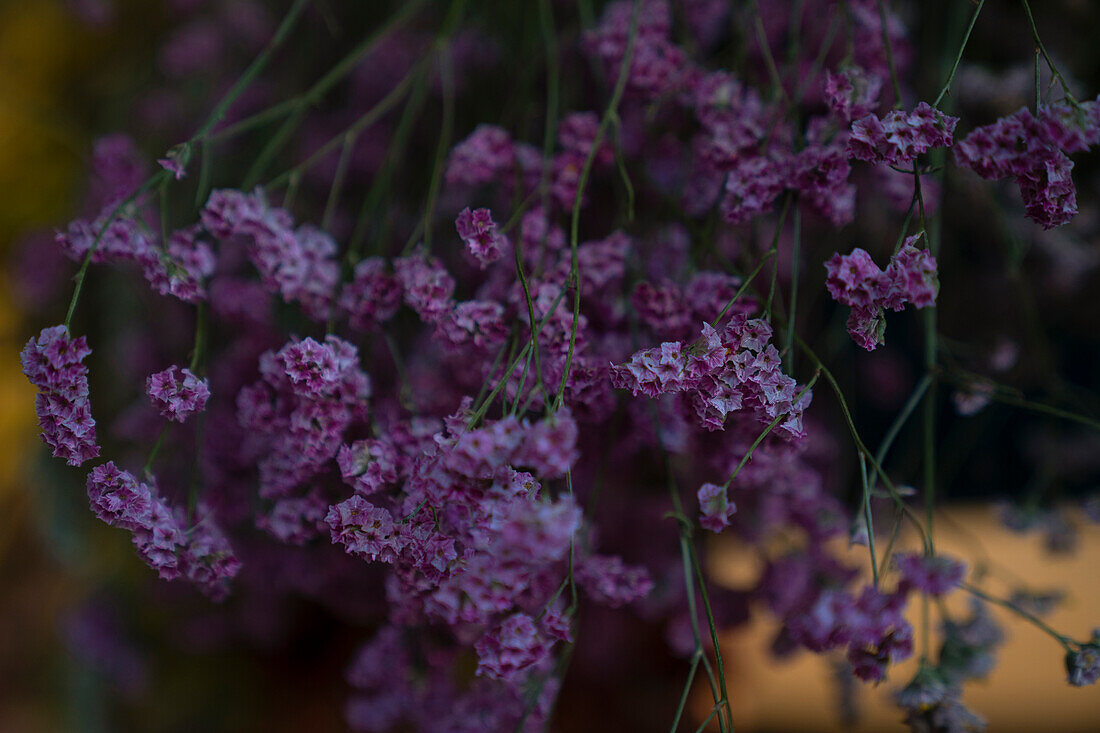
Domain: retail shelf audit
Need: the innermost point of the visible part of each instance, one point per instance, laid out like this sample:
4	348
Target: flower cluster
298	264
309	394
899	137
179	267
457	422
202	554
177	393
856	281
721	373
54	362
807	591
1034	150
1083	664
478	231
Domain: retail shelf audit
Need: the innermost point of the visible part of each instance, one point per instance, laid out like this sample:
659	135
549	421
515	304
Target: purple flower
1083	664
935	575
372	297
607	580
855	280
899	137
208	560
479	232
177	393
54	363
427	286
715	508
369	466
1034	152
852	94
485	156
515	645
159	538
363	529
118	498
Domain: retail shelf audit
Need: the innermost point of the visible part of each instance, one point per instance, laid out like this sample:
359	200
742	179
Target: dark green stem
582	183
959	55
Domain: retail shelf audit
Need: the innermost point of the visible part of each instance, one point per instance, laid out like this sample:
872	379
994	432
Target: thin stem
1046	56
1038	84
713	638
198	351
999	394
251	122
862	447
775	246
766	51
886	554
687	558
315	93
367	119
445	132
196	468
889	52
394	154
480	412
205	171
959	55
338	181
582	183
1022	613
903	417
760	438
695	659
744	286
155	180
930	349
252	71
620	163
714	711
796	226
867	518
146	470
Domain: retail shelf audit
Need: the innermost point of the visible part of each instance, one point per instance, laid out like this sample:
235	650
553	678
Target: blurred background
86	644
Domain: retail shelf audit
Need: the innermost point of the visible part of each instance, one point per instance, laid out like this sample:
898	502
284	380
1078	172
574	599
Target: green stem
445	132
765	49
155	180
889	52
862	447
714	711
252	71
198	351
338	180
315	93
899	422
574	226
695	659
760	438
867	518
1035	620
796	225
367	119
1046	56
999	394
930	349
146	470
744	286
959	55
713	639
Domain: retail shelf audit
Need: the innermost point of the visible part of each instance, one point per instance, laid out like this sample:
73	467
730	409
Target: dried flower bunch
502	345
